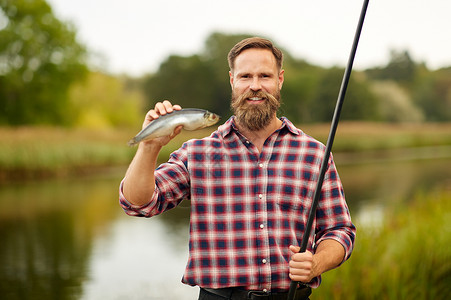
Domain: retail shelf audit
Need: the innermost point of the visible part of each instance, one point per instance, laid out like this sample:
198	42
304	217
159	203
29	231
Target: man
251	185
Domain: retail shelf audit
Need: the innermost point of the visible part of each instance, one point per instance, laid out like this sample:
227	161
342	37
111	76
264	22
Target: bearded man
250	185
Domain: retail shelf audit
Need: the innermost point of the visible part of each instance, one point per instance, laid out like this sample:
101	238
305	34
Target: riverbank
40	152
406	257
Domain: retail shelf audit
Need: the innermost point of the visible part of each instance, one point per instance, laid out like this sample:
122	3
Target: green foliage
41	62
34	152
395	102
359	104
433	95
183	80
408	91
408	257
196	81
39	58
301	81
400	68
103	101
308	95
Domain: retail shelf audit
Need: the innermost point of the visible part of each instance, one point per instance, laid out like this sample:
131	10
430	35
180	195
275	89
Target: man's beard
255	116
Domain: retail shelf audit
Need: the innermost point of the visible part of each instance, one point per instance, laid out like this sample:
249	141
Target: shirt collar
290	126
230	126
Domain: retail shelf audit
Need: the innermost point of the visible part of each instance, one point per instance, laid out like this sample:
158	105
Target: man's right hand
160	109
139	180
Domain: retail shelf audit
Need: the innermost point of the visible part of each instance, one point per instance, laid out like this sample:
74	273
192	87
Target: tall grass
48	151
41	152
361	136
408	257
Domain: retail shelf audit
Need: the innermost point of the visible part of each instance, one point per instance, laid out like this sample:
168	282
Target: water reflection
70	239
47	230
373	187
41	258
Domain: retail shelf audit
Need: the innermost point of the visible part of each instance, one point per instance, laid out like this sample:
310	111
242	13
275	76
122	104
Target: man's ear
281	78
231	78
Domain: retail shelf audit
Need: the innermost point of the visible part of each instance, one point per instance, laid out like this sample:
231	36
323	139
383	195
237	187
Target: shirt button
264	261
260	196
260	165
265	290
262	226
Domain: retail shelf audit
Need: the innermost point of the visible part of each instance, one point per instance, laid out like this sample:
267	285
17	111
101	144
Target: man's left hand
301	265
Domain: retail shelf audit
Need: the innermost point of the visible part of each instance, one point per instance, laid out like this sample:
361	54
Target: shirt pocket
293	213
290	204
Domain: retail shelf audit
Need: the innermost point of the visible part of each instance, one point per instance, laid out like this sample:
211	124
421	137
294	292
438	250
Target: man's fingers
176	131
300	278
300	271
165	107
297	256
295	249
300	265
152	115
160	109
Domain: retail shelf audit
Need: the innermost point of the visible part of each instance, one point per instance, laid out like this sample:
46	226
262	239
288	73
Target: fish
191	119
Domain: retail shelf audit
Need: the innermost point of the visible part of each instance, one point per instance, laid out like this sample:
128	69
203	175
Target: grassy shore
408	257
35	152
32	152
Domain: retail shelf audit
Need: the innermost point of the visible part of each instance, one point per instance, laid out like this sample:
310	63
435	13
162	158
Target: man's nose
256	84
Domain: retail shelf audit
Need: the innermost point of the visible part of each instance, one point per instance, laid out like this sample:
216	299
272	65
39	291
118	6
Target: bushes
408	257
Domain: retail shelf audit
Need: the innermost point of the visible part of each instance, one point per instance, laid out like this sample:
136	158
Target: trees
401	68
183	80
408	91
432	94
104	101
360	102
39	59
308	95
199	80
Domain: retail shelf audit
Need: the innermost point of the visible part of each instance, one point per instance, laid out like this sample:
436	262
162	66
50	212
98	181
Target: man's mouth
256	99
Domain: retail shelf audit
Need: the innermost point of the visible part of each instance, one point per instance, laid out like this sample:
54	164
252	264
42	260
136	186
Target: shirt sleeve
171	187
333	220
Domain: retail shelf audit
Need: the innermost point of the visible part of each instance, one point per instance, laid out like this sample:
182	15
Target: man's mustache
258	94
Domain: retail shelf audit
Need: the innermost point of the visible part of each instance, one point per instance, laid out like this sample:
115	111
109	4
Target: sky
135	36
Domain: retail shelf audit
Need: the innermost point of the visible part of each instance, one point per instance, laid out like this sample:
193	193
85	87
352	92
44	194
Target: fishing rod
330	141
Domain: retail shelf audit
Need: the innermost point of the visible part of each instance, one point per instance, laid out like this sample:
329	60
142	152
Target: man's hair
254	43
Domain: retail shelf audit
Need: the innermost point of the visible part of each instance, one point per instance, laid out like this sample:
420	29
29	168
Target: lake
69	239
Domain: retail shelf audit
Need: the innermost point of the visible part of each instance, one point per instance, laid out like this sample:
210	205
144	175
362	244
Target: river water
69	239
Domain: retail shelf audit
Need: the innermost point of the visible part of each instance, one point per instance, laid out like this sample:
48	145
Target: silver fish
190	118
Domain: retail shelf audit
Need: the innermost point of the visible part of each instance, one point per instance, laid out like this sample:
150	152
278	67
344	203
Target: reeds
408	257
48	151
42	152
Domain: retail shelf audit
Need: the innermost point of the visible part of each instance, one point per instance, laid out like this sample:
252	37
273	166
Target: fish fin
132	142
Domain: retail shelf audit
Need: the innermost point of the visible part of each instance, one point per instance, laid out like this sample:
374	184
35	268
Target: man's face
256	82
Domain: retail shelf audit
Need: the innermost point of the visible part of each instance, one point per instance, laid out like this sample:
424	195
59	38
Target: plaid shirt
247	207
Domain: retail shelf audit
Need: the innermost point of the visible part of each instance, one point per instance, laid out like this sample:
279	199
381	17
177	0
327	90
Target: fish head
211	118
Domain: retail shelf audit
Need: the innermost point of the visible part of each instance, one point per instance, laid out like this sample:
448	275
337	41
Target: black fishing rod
330	141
